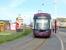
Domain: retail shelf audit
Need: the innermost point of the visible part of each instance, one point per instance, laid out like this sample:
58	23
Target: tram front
42	25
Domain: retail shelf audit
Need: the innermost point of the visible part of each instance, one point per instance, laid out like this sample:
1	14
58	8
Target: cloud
60	1
64	1
56	1
7	14
11	10
11	14
16	3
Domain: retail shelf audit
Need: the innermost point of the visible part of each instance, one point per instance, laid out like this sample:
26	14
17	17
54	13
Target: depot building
4	25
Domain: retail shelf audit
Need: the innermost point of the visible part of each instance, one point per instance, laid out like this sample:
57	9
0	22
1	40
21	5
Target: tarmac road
62	34
30	43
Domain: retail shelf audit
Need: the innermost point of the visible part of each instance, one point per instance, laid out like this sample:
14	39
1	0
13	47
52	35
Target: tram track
26	42
44	42
32	44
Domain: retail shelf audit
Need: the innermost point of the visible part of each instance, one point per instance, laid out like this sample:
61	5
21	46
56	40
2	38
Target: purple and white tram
42	25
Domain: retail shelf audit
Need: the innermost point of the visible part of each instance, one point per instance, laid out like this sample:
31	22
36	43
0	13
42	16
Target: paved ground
53	43
30	43
62	34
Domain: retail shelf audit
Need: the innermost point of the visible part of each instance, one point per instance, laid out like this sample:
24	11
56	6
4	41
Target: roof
61	19
42	14
4	21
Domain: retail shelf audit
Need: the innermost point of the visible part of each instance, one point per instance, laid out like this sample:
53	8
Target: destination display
42	17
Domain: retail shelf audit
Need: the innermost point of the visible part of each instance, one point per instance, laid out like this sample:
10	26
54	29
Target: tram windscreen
42	24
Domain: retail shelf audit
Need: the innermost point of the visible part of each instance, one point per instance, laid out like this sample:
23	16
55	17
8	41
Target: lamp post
55	1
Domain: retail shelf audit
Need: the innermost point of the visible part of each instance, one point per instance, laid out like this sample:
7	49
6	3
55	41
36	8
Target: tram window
42	24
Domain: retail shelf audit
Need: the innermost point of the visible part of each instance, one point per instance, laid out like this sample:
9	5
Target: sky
10	9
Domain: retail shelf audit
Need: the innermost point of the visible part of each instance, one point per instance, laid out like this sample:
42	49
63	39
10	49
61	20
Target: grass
5	33
6	38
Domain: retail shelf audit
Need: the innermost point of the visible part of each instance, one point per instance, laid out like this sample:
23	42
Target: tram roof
42	14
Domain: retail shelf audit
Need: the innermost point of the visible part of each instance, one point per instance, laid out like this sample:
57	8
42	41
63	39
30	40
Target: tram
42	25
